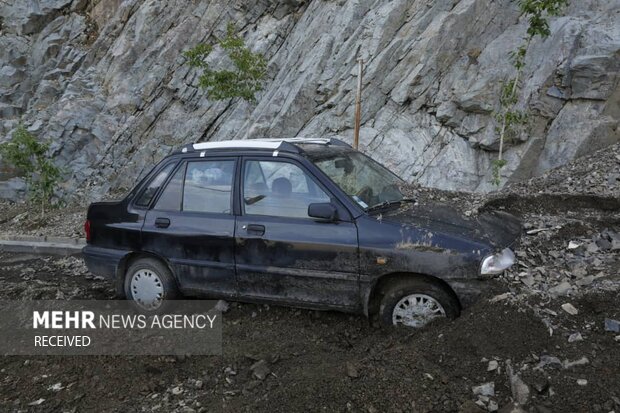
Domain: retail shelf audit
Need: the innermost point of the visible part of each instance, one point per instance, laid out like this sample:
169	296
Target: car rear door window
170	198
149	192
279	189
208	186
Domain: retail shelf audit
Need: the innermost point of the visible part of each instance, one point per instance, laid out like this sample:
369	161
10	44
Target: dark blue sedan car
302	222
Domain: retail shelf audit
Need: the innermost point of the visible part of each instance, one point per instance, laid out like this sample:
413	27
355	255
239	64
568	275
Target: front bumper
471	290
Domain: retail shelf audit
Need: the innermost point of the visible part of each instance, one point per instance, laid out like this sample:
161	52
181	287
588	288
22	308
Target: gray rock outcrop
106	83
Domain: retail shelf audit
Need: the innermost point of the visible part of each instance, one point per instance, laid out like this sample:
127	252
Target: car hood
496	229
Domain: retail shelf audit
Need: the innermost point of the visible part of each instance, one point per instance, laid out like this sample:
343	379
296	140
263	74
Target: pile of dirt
282	359
596	174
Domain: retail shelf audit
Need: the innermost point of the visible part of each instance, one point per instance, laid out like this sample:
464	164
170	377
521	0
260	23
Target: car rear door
281	253
191	224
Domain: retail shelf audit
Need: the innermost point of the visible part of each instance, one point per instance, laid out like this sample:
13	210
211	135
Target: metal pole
358	105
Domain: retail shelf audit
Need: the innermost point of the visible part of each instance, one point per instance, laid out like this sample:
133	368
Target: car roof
293	145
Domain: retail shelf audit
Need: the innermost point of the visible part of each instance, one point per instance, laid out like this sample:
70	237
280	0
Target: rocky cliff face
106	83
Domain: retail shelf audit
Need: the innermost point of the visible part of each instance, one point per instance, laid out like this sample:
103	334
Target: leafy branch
244	81
31	159
509	117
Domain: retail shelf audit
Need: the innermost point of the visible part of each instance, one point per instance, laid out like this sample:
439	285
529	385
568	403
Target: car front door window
282	189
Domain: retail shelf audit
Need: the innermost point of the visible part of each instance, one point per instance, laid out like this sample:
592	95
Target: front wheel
415	303
150	284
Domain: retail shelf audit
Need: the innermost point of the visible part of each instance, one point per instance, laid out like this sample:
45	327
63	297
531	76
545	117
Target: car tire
149	284
415	302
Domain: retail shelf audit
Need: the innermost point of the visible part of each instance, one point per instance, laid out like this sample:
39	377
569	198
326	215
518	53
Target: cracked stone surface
106	83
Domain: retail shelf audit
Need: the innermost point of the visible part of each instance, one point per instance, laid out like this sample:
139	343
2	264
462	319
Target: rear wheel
415	303
149	284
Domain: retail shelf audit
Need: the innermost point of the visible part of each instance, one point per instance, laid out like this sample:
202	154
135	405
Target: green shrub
509	117
32	162
244	81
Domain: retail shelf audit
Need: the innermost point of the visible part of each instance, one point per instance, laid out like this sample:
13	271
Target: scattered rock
587	280
486	389
222	306
612	325
529	281
570	309
260	369
501	297
546	360
592	248
575	337
36	402
55	387
562	289
582	382
581	362
520	390
493	365
603	243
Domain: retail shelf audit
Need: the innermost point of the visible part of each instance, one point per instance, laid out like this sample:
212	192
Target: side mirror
323	210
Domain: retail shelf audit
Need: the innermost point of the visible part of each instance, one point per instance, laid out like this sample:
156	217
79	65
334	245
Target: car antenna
358	100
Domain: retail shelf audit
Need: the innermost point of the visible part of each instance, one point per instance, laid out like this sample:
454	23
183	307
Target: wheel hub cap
147	289
416	310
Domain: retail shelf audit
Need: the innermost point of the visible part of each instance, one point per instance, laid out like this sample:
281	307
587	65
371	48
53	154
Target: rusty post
358	105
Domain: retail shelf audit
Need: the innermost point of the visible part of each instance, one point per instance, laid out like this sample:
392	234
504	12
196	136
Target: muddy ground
325	361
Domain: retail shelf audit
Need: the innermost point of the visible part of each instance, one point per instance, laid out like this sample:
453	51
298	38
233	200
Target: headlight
496	263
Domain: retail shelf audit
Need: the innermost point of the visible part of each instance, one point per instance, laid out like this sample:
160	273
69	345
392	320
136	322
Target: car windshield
367	182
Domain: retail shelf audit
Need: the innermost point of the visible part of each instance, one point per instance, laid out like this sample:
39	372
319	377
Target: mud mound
551	203
595	174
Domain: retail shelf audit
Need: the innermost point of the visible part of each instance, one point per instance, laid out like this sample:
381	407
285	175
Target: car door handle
162	222
255	229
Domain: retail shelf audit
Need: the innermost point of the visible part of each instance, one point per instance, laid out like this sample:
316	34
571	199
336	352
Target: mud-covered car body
337	256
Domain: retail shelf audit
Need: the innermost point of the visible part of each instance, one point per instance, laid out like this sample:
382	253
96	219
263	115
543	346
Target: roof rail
287	144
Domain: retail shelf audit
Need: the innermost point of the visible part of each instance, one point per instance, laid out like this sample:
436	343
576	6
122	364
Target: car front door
282	254
191	224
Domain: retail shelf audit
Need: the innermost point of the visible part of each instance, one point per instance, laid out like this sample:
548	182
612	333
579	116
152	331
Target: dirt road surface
288	360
